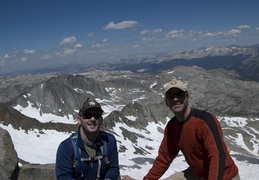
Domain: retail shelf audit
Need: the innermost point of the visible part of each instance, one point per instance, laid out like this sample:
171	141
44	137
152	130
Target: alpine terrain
39	110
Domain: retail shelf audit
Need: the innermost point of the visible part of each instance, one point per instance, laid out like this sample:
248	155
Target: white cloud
175	31
209	34
121	25
244	27
2	62
104	42
66	52
78	46
69	51
45	57
98	45
149	39
234	32
24	59
27	51
90	35
182	34
257	29
155	31
6	56
68	40
136	46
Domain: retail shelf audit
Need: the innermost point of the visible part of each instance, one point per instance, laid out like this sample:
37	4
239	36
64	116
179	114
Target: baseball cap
88	104
176	84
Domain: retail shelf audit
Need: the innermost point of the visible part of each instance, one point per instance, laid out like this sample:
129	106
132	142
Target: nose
92	118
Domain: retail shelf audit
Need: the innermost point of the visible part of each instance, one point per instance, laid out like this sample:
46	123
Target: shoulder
206	119
202	114
66	146
66	142
107	136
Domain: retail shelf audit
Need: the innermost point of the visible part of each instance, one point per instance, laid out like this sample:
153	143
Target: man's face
177	100
90	120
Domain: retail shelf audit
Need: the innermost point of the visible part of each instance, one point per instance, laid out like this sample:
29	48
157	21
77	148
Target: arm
166	153
64	161
214	144
113	171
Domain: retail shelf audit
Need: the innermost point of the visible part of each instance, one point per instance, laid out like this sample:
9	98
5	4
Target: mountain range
42	108
242	59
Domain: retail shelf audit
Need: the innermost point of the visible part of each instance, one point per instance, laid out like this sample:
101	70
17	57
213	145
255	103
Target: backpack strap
104	152
77	150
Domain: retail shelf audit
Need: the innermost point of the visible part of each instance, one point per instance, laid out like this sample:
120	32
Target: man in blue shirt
90	153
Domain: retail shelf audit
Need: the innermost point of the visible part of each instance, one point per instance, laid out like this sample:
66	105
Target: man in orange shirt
198	135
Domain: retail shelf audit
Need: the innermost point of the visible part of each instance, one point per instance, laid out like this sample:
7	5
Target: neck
91	137
181	116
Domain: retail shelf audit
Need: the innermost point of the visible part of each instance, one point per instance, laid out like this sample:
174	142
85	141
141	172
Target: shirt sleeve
64	162
113	172
166	153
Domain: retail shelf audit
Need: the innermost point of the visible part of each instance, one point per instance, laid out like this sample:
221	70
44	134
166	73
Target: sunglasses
89	115
179	94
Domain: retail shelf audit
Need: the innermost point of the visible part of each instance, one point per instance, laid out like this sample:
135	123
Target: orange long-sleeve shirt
200	139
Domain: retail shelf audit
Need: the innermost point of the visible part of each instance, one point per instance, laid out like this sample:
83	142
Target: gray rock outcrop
8	156
37	172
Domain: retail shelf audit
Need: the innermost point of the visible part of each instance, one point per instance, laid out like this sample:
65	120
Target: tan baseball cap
176	84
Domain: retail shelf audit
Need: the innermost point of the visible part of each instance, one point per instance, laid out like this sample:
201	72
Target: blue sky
46	32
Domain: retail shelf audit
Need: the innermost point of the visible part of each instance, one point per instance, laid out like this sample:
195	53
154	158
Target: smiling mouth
176	103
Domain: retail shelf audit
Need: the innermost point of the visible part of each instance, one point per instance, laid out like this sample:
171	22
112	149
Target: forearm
113	173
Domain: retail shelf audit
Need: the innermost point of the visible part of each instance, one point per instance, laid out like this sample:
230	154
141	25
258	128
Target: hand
127	178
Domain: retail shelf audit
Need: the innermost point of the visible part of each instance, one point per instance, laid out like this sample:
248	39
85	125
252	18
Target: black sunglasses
179	94
89	115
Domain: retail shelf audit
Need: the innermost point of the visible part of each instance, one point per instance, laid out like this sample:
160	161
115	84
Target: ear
79	120
101	120
188	99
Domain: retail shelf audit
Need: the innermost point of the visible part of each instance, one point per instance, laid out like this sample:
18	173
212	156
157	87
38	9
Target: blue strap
77	156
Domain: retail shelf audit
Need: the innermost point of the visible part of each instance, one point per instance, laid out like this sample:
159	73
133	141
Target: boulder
37	172
8	157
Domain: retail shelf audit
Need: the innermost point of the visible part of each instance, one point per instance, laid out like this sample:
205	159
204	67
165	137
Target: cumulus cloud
2	62
149	39
257	28
90	35
155	31
175	31
244	27
66	52
78	46
122	25
136	46
209	34
103	42
179	34
69	51
45	57
182	34
68	40
24	59
6	56
234	32
27	51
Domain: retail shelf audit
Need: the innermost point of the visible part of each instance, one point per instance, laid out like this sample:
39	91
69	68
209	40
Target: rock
37	172
8	156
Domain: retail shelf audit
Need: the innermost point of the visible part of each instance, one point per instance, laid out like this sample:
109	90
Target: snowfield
40	147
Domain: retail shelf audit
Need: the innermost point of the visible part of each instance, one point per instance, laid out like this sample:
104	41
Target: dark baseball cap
89	104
